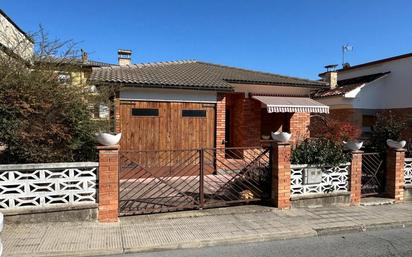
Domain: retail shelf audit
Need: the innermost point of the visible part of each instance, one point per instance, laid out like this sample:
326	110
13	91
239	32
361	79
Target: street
394	242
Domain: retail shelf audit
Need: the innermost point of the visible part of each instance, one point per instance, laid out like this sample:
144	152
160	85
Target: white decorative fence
47	184
334	179
408	171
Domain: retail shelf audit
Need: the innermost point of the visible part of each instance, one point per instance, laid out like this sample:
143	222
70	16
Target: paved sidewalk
196	229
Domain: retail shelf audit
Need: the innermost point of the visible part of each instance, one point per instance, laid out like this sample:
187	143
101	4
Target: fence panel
334	179
408	171
47	184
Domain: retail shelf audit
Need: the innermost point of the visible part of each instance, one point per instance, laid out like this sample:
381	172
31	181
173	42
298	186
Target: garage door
166	125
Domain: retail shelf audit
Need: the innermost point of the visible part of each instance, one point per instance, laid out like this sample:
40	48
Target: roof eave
307	85
165	86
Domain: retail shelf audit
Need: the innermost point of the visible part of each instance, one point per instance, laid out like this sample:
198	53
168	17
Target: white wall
13	39
182	95
273	90
336	102
392	91
170	95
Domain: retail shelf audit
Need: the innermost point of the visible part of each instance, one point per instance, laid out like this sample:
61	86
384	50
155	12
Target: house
14	42
193	104
357	93
76	72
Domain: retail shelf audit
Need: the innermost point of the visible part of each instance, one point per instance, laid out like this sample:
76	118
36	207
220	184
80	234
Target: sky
296	37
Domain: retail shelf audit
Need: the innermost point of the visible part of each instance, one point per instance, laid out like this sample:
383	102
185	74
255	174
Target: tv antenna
345	48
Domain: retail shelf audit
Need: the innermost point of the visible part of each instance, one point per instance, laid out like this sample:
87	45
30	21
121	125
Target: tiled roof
347	85
191	74
74	61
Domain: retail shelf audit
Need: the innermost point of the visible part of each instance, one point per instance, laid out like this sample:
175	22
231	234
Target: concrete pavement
194	229
379	243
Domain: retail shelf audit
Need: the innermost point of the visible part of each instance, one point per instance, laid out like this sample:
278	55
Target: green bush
319	151
42	119
387	126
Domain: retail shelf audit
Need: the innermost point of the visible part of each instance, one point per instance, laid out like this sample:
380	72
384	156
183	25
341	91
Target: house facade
356	94
193	104
14	41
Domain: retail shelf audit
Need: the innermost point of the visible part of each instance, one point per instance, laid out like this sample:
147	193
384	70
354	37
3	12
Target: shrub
333	129
387	126
319	151
41	119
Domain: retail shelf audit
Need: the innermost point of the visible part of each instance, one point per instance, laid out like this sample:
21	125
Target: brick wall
251	122
356	178
245	120
108	183
395	174
299	126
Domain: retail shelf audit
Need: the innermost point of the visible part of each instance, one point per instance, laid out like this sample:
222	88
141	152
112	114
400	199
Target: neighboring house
13	40
76	72
193	104
357	93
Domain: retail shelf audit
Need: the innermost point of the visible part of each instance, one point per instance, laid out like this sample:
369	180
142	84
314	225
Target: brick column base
395	174
280	157
108	183
356	178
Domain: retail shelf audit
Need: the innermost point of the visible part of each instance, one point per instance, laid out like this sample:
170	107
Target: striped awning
291	104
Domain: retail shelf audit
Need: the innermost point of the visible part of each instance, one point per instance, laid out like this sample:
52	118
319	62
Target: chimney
124	57
84	56
331	76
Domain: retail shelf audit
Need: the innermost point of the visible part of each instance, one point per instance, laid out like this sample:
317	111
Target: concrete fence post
395	174
280	159
108	183
356	178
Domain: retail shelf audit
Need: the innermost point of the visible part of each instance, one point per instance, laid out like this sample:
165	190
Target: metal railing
171	180
373	174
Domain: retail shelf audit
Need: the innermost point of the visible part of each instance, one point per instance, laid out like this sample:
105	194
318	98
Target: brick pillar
280	157
108	183
356	178
220	120
395	174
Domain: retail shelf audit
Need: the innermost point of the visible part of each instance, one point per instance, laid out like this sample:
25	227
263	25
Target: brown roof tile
191	74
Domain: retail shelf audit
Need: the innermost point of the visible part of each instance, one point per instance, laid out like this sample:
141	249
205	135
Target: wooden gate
166	125
163	181
373	174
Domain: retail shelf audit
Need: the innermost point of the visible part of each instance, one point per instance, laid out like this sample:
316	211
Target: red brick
281	175
108	184
395	174
355	175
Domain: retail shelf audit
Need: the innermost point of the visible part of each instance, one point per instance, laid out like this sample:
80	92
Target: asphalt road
395	242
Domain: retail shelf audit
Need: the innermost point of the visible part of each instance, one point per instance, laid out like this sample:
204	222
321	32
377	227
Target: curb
361	228
306	232
223	242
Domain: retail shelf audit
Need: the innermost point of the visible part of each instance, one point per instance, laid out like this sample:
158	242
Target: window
64	78
145	112
193	113
104	111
